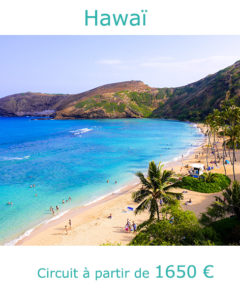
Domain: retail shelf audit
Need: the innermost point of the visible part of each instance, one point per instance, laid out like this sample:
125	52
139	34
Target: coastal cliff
131	99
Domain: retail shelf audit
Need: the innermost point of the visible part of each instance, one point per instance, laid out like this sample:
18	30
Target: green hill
131	99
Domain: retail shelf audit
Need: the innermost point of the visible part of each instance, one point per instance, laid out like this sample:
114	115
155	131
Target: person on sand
66	230
131	228
190	200
110	216
126	227
70	223
134	227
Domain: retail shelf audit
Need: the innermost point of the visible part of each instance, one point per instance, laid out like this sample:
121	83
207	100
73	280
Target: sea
43	162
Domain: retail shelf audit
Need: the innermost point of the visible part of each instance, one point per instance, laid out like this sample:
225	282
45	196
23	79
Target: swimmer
63	201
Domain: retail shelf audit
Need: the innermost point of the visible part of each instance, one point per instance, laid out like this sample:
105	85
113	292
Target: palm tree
208	133
213	122
229	204
208	177
155	189
232	115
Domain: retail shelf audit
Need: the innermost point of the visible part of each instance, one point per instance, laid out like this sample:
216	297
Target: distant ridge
131	99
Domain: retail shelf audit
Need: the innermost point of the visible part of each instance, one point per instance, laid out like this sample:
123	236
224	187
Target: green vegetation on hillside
107	106
195	101
140	103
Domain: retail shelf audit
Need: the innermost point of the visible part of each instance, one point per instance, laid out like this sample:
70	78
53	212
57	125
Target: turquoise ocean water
75	158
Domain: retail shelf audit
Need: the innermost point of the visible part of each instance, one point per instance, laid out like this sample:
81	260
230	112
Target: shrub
219	183
227	230
183	230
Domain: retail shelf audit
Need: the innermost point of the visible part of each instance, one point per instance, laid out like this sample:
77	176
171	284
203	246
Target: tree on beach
230	124
180	228
155	190
226	123
228	204
213	123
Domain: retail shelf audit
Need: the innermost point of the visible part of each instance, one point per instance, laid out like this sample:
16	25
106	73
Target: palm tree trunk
234	159
223	160
158	215
214	146
208	149
224	154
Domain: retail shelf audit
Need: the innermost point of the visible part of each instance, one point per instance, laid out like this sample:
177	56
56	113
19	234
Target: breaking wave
5	158
80	131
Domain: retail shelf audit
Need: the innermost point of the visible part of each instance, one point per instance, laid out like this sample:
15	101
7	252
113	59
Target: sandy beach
91	225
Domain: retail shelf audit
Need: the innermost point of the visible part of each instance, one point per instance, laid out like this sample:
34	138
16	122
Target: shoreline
77	211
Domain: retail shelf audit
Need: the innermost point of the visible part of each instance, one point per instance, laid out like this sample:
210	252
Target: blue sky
72	64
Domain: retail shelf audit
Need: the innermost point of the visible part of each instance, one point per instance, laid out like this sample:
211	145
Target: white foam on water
115	192
98	199
29	231
80	131
5	158
15	241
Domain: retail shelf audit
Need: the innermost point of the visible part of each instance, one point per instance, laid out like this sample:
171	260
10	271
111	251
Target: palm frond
142	206
143	180
140	195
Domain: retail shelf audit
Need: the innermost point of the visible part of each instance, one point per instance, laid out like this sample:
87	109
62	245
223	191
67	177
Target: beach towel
130	208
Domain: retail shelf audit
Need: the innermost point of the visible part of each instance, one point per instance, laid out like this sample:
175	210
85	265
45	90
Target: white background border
19	265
